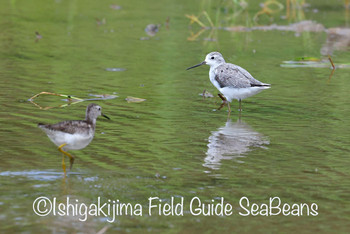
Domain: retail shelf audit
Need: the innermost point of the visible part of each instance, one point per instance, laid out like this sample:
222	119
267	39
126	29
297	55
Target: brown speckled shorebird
73	134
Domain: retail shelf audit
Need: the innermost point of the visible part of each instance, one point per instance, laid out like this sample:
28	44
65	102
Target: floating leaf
130	99
102	96
307	59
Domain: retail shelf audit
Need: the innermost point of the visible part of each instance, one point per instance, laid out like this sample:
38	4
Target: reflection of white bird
232	141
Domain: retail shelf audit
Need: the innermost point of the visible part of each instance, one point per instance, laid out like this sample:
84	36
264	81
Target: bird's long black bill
202	63
105	116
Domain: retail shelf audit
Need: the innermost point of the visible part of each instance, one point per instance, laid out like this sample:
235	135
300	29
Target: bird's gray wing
230	75
70	126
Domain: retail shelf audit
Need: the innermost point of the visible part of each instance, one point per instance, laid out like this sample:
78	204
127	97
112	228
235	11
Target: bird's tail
41	125
262	85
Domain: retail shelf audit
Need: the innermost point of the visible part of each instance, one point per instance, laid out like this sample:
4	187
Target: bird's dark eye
99	108
212	57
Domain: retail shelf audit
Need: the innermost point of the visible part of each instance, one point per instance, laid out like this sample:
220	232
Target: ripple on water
37	175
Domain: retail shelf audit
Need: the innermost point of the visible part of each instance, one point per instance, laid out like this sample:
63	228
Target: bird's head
213	59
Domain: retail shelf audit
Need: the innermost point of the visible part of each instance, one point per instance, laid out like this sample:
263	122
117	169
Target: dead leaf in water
206	94
102	96
130	99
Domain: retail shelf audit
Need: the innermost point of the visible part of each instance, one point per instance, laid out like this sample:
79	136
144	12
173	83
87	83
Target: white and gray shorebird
73	134
231	80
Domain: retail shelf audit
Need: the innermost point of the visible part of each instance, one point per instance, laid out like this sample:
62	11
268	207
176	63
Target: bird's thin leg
222	97
221	106
71	158
224	101
64	165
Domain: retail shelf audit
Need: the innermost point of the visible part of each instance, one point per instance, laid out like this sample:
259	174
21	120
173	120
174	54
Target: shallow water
292	141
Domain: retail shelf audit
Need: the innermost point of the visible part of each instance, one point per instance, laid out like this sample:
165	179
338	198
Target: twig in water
194	19
330	76
55	94
70	99
330	59
332	72
194	37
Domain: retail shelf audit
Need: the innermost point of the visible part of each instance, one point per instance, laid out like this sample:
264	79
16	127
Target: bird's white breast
212	75
73	141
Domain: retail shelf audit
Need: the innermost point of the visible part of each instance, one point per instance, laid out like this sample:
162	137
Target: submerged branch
70	99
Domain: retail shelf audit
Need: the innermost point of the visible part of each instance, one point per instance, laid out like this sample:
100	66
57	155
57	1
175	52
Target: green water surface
292	141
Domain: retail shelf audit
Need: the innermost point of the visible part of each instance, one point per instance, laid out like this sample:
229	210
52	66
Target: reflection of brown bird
73	134
232	141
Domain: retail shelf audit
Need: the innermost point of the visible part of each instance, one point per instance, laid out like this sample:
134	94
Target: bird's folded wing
233	76
70	126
